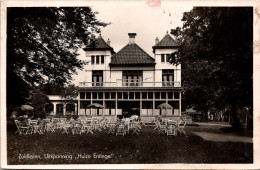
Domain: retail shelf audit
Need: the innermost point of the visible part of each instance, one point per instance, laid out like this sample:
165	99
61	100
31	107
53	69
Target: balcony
130	83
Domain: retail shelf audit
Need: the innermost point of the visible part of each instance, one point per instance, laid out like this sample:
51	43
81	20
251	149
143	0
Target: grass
147	147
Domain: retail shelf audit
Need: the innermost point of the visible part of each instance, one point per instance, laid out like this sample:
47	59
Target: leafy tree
217	58
38	101
69	95
42	46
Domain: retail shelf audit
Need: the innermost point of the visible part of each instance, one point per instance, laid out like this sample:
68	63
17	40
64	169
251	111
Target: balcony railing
130	83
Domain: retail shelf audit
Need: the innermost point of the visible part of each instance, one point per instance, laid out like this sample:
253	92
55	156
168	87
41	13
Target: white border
126	3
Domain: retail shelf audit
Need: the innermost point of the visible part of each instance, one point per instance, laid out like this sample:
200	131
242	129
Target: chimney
156	40
131	38
108	42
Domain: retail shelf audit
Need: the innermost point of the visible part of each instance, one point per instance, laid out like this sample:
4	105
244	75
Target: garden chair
136	128
112	127
156	124
22	127
38	126
54	122
87	127
161	128
181	126
48	126
120	130
65	126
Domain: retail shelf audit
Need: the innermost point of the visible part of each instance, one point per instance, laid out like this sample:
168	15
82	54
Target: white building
130	81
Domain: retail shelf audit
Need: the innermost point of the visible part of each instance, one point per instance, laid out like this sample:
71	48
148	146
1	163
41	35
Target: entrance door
59	109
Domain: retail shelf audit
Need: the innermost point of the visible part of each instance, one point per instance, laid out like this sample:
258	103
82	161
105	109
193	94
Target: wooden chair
161	128
65	126
181	126
136	127
48	126
22	127
111	128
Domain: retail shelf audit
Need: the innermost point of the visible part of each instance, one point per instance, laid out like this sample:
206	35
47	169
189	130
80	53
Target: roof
132	54
99	44
166	42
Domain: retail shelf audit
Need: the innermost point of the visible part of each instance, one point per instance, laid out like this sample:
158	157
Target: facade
130	81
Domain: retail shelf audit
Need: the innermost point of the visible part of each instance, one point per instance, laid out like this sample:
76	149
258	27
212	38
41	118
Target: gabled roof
131	54
166	42
99	44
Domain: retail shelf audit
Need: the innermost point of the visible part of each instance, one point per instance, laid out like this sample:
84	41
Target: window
163	95
132	78
170	95
125	95
137	95
82	95
150	95
131	95
157	95
88	95
167	77
167	57
113	95
144	95
162	58
70	107
176	95
102	59
119	95
94	95
97	78
107	95
97	59
92	59
100	95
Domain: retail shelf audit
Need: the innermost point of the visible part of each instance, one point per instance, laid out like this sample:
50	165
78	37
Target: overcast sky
147	22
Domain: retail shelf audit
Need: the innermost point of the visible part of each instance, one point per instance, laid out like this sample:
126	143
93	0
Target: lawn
103	148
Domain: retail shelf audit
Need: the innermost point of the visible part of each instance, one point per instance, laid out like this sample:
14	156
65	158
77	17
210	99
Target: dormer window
162	58
165	58
98	58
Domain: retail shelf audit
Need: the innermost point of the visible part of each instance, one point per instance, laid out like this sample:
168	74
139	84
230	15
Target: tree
38	101
69	95
42	46
217	58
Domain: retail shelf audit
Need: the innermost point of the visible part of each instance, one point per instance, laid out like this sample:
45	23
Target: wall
165	65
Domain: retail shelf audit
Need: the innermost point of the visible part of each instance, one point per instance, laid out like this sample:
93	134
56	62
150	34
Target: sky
147	22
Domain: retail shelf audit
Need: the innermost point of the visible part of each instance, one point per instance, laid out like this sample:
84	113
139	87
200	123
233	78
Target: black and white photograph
129	84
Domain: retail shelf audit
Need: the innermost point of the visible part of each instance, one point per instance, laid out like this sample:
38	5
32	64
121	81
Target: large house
130	81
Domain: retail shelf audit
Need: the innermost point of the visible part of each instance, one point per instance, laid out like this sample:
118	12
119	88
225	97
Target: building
130	81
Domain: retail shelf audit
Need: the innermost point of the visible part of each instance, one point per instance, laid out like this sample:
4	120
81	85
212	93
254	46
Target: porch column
64	109
76	109
153	103
141	96
180	104
116	104
54	108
